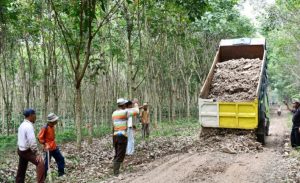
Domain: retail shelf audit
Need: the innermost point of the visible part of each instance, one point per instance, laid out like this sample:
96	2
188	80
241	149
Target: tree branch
106	18
61	26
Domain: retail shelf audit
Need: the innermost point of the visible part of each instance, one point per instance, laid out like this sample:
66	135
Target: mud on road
268	165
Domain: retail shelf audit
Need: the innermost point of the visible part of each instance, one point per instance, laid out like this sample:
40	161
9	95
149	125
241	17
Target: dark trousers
295	137
120	145
145	130
59	159
24	158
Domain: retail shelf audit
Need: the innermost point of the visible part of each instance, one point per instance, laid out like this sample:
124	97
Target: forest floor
174	153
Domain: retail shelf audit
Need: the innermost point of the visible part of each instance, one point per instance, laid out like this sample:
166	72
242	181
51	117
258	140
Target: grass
181	127
70	134
8	142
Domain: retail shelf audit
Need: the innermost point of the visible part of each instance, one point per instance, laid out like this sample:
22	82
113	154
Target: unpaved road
266	166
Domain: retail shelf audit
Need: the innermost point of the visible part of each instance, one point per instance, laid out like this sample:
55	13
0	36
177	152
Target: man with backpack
46	137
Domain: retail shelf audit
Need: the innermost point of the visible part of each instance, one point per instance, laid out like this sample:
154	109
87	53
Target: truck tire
267	131
261	133
261	138
200	131
267	127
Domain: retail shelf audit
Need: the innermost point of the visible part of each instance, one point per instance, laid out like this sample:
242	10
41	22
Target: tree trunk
129	70
187	90
129	26
173	99
3	116
46	89
55	86
55	76
159	111
78	114
92	115
8	117
29	83
156	100
23	81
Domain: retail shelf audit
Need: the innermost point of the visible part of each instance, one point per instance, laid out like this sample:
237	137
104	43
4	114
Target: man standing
120	119
46	137
130	131
145	121
279	111
27	148
131	128
295	133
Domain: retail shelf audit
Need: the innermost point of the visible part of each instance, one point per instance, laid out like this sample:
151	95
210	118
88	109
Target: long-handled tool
49	168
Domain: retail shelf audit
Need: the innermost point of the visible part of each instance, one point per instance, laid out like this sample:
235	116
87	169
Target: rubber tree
79	23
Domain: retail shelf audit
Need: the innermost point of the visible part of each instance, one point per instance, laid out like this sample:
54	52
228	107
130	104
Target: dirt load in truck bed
235	80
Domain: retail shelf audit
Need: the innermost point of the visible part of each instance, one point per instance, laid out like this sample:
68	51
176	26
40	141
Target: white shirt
130	122
130	119
26	136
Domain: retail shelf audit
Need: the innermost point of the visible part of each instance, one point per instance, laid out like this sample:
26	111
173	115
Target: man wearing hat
46	137
120	124
27	148
295	133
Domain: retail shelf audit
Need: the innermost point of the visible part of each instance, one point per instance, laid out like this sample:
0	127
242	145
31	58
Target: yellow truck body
241	115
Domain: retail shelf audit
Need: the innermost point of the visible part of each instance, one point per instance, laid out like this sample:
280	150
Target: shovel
49	168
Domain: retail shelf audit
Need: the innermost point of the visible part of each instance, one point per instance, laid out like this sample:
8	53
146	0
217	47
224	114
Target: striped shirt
120	118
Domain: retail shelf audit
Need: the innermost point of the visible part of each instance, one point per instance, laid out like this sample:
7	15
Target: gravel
235	80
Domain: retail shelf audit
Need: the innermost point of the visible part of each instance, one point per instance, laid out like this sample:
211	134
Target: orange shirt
47	137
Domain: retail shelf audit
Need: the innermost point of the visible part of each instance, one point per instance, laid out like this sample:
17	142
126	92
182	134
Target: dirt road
266	166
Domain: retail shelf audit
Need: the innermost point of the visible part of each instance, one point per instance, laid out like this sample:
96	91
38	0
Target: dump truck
247	114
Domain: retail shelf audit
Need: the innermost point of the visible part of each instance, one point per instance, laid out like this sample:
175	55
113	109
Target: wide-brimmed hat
145	104
122	101
52	117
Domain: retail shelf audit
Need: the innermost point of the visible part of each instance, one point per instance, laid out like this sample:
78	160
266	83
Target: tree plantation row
75	58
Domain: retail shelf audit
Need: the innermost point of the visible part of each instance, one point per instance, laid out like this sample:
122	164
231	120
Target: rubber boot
117	168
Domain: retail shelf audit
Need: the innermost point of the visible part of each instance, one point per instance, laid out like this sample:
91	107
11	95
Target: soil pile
235	80
230	141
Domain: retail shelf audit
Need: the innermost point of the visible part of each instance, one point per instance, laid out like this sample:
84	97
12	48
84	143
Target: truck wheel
267	131
261	134
200	131
261	138
267	127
